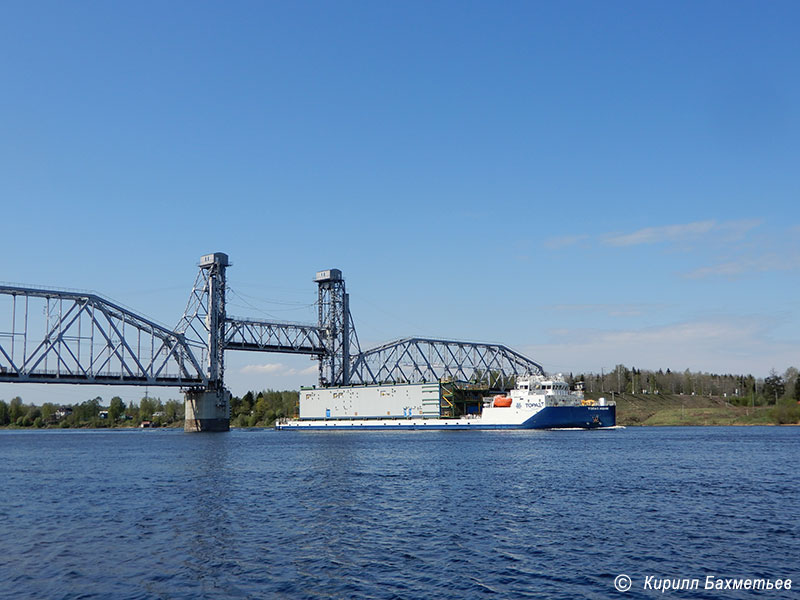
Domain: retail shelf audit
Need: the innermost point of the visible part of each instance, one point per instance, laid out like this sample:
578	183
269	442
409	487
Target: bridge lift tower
206	323
208	407
337	331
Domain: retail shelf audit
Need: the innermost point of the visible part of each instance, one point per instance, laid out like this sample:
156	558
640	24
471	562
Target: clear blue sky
591	183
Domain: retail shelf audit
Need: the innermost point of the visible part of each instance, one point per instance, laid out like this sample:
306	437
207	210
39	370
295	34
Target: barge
535	402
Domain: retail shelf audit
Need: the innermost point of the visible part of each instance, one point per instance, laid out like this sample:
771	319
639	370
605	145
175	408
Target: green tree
259	410
790	378
173	409
48	410
247	403
774	387
116	409
4	416
688	382
133	411
86	411
786	412
33	413
15	409
241	405
147	407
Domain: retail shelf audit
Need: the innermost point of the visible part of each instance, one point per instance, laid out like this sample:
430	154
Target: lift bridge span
68	337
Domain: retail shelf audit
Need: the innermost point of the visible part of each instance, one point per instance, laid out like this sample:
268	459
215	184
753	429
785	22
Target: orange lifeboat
502	401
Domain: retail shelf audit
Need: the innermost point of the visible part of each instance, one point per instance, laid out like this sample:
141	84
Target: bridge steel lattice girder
268	336
105	354
423	359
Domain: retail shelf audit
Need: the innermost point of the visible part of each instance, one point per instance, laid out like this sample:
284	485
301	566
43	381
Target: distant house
62	412
103	414
146	424
159	413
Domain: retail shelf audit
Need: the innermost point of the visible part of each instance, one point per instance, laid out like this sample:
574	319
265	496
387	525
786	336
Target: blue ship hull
584	417
553	417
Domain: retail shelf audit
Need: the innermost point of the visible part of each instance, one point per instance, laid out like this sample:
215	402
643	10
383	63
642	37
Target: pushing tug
535	402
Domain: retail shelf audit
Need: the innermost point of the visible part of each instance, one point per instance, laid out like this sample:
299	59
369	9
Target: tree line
259	409
92	413
262	409
738	389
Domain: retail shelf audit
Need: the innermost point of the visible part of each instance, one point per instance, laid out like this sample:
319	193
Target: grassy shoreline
668	410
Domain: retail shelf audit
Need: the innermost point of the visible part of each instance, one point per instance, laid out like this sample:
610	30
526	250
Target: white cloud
557	243
613	310
654	235
743	344
727	231
759	264
709	230
277	369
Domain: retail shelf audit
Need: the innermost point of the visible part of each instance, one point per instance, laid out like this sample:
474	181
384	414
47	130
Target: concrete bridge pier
207	410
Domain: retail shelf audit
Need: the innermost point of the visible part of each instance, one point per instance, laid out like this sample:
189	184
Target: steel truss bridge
54	336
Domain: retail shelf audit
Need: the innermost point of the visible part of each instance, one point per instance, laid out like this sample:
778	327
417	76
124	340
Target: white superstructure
548	391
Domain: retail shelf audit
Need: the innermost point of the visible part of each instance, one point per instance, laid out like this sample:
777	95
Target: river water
467	514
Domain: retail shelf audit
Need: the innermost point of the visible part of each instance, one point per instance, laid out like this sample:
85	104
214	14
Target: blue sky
590	183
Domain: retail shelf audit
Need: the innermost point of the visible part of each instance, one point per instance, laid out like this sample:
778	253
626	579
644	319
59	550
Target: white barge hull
553	417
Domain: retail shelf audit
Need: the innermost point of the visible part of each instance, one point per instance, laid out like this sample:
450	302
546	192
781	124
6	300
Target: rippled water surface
265	514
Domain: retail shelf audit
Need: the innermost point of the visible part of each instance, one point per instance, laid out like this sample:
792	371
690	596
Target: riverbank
98	426
679	410
650	410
